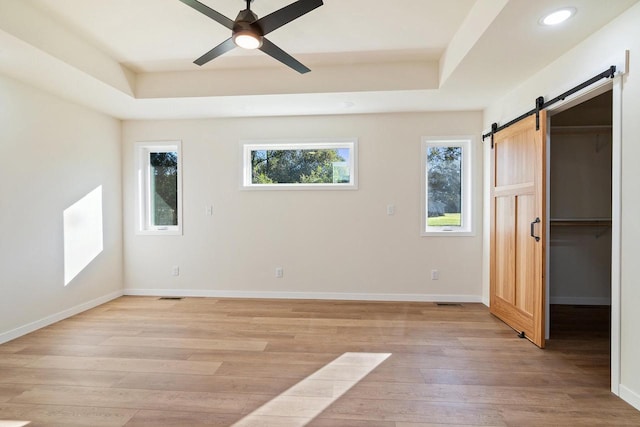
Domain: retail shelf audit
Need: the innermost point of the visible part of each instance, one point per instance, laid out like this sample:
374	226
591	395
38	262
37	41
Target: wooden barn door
518	227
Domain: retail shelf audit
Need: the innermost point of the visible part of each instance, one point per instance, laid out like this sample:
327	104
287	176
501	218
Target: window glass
164	188
302	165
444	186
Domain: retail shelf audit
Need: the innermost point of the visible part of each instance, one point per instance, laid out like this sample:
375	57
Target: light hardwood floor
142	361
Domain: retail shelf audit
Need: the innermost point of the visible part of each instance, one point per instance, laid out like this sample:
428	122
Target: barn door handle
533	224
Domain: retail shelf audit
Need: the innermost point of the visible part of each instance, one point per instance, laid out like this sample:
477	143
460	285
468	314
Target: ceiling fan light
247	39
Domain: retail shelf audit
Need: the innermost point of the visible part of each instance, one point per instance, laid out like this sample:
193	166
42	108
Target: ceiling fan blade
282	56
277	19
222	48
216	16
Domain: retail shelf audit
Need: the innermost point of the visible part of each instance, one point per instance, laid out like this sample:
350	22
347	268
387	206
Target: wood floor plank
134	399
323	421
187	343
188	367
66	416
289	358
401	424
9	391
172	418
498	378
132	351
272	421
345	346
274	369
228	331
526	417
44	338
493	395
11	347
9	360
65	329
199	383
488	363
58	377
143	361
417	411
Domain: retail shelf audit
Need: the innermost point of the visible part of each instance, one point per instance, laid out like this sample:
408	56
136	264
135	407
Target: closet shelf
580	222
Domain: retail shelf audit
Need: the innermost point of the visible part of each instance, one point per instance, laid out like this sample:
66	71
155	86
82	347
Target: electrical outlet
435	274
391	209
279	272
209	210
175	271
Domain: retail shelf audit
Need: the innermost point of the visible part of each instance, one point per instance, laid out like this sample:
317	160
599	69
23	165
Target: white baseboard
580	300
630	396
303	295
33	326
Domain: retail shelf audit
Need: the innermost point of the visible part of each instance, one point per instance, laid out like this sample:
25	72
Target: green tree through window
164	188
444	180
312	166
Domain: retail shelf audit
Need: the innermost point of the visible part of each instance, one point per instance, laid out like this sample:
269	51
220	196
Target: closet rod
541	104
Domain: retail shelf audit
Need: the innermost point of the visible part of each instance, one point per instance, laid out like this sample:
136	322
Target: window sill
299	187
443	233
159	232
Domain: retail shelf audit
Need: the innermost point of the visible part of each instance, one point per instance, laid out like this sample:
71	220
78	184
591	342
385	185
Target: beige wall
593	55
339	244
54	153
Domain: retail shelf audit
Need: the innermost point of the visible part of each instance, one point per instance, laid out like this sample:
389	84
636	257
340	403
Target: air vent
171	298
448	304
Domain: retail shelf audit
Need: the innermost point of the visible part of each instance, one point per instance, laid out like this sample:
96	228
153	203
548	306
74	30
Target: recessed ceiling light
559	16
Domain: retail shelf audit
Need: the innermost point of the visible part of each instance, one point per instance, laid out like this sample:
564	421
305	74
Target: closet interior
580	174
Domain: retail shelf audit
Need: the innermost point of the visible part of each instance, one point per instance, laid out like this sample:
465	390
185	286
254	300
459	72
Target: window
446	186
317	164
159	188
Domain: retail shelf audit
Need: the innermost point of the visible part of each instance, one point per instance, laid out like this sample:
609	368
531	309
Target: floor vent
171	298
448	304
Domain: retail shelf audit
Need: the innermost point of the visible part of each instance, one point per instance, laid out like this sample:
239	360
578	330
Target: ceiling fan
248	32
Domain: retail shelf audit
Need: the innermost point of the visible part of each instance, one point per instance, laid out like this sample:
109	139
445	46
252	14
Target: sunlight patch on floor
300	404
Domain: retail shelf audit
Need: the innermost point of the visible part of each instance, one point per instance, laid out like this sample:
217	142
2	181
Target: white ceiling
161	35
133	58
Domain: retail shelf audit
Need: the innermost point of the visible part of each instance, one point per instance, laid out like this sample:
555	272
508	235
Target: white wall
580	177
592	56
338	244
53	154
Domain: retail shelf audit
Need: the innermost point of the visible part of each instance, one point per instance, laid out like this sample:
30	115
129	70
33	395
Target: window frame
143	192
466	215
248	146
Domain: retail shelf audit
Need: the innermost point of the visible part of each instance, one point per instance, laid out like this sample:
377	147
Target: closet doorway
580	206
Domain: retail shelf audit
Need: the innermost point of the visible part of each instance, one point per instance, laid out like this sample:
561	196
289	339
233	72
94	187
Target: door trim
616	234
